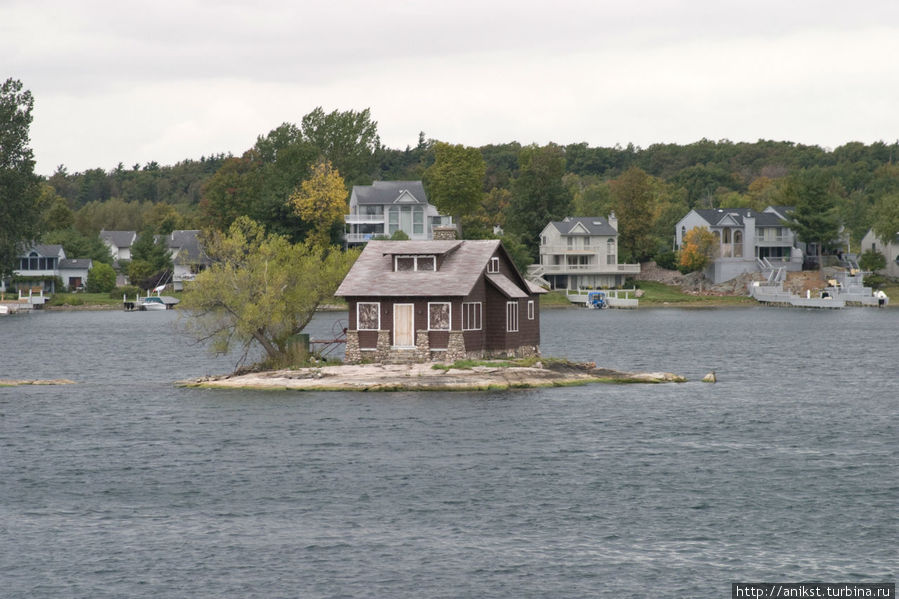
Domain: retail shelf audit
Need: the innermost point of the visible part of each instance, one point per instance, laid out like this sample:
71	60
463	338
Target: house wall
890	252
687	223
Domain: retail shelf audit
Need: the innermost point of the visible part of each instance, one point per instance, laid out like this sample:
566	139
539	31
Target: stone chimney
444	233
613	220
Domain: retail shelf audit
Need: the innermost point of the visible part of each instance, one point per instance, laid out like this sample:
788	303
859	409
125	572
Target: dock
615	298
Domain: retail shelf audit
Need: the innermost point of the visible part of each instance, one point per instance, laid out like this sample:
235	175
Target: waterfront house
582	253
417	301
119	243
889	250
188	257
385	207
748	241
43	266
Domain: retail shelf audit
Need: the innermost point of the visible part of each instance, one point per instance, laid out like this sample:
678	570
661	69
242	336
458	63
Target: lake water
126	486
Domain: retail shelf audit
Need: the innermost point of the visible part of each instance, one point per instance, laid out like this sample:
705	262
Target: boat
597	300
151	302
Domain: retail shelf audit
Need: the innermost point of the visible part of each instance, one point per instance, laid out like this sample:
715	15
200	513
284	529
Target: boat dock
614	298
844	289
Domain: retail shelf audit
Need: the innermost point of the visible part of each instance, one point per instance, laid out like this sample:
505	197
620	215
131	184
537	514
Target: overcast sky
121	81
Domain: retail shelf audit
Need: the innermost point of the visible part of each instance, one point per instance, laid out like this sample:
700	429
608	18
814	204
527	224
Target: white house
748	241
119	243
381	209
188	257
582	253
41	265
890	251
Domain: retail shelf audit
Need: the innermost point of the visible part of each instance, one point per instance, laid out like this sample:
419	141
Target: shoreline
425	377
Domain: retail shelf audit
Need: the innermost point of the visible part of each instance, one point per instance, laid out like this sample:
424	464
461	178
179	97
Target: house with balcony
44	266
748	241
582	253
385	207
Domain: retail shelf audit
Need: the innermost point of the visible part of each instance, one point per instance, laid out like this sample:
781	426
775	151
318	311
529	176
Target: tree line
518	188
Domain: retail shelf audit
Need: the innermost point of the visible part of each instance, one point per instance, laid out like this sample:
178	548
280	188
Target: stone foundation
385	354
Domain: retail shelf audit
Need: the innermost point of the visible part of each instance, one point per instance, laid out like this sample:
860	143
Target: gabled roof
75	263
120	239
188	243
723	217
388	192
505	286
461	267
585	225
45	250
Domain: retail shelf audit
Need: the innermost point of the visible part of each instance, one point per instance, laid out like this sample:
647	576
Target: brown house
417	301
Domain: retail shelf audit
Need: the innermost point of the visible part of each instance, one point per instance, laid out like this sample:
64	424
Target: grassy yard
659	294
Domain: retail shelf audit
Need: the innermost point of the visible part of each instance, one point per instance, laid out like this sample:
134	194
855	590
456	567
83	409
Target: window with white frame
439	314
493	267
471	316
414	263
511	317
610	252
530	309
368	316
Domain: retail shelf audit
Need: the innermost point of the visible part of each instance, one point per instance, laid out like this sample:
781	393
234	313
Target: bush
667	260
101	278
875	281
872	260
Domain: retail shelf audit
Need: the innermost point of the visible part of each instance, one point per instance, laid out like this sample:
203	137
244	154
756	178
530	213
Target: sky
133	82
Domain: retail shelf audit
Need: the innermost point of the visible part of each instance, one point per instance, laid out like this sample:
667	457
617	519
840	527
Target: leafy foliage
700	246
100	278
455	181
814	216
538	195
872	261
633	198
260	290
20	211
321	201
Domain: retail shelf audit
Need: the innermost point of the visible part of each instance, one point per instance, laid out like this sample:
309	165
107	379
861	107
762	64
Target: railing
359	237
363	219
629	268
566	249
594	268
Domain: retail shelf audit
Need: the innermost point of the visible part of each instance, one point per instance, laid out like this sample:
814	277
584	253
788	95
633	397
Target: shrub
667	260
127	290
872	260
875	281
101	278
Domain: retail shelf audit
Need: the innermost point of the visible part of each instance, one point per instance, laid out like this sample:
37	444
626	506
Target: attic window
414	263
493	267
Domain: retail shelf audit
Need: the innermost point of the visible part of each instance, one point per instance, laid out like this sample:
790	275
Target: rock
710	378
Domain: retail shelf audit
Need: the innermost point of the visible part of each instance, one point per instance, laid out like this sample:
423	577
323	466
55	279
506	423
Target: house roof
75	263
45	250
718	216
188	244
461	267
120	239
387	192
584	225
505	286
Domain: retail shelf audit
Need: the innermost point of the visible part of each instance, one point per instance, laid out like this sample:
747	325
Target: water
125	486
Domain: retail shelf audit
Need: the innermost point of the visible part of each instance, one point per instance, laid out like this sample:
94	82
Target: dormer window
493	266
414	263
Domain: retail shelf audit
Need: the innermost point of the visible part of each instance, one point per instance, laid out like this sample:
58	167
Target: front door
403	325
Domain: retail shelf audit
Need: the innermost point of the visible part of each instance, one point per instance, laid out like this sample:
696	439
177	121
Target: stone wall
455	350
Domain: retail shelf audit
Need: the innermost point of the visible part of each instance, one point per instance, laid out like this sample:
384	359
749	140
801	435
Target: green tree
57	215
538	194
348	140
872	260
149	256
886	217
633	198
455	181
77	245
20	211
260	290
100	278
321	201
814	216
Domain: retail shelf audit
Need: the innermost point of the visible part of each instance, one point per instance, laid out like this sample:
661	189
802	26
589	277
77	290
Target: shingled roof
387	192
589	225
714	216
462	265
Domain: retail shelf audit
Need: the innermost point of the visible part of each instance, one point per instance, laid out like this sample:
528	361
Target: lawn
659	294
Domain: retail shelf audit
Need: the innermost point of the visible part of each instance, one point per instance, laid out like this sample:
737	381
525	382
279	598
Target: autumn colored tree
321	202
700	247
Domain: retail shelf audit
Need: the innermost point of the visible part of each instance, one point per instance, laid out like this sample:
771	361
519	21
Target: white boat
151	302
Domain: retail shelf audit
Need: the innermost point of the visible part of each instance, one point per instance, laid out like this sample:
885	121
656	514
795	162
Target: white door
403	325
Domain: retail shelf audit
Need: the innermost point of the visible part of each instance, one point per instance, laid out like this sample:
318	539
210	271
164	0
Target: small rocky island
430	376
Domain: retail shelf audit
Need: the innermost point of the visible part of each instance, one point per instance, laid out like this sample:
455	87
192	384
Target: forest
510	185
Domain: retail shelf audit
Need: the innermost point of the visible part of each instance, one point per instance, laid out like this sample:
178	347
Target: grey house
748	241
581	253
381	209
890	251
41	265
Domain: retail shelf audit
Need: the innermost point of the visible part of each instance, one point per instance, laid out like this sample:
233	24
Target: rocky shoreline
20	382
425	377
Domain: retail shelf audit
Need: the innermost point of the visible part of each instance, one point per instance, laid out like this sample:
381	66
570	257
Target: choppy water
125	486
